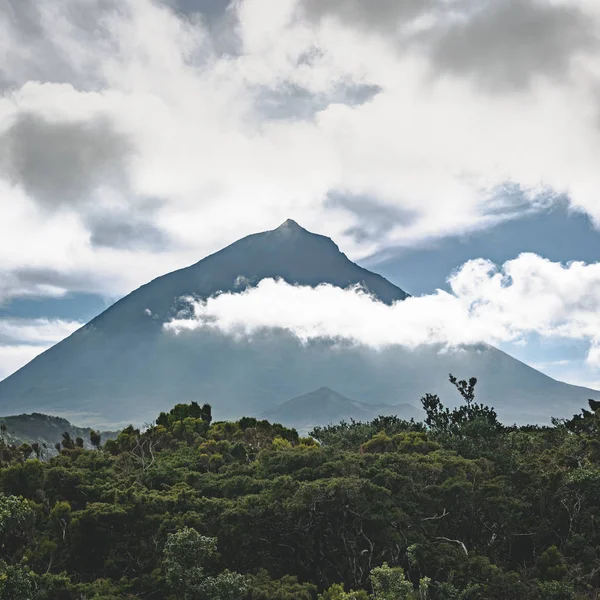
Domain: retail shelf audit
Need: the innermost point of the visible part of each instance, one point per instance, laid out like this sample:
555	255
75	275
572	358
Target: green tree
390	583
16	582
95	439
186	556
336	592
16	525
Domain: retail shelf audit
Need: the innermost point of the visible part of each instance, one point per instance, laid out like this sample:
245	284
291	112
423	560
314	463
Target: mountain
45	429
124	367
325	406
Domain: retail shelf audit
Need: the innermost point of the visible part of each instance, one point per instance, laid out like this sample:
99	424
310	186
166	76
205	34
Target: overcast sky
137	136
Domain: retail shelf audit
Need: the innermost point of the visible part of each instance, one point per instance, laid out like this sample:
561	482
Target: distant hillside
45	429
325	406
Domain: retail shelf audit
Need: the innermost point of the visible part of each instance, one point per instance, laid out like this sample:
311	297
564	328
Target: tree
390	583
36	449
16	582
95	439
16	524
186	556
336	592
26	450
67	441
184	411
469	419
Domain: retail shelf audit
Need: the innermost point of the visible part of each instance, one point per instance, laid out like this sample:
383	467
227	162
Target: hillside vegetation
458	507
44	431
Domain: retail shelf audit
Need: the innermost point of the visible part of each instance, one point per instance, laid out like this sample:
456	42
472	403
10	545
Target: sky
450	145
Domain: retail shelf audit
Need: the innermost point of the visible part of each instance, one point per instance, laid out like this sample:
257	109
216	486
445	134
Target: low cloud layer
525	296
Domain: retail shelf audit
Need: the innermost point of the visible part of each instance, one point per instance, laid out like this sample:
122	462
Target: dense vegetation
456	508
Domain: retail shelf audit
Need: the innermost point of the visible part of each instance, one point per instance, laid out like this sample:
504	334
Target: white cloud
21	340
12	358
527	295
36	331
199	162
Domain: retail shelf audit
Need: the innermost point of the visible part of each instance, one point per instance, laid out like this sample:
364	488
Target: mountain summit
289	252
124	367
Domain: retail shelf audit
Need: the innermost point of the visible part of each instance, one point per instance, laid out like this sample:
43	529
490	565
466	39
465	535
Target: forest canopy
458	507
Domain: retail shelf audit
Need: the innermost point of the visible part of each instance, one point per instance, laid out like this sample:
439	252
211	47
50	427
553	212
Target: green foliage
262	587
95	439
349	436
556	590
336	592
181	412
16	582
457	508
390	583
16	524
468	419
186	555
407	442
551	565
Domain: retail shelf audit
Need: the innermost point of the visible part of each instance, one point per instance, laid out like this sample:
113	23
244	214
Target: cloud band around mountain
525	296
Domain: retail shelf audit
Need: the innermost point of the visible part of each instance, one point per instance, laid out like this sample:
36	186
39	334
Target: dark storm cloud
502	43
60	163
125	230
65	163
511	42
211	10
380	15
376	219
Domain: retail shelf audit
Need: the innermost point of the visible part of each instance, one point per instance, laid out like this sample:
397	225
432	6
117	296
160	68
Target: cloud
12	285
123	229
63	161
525	296
376	219
35	331
109	104
21	340
377	15
61	42
510	43
503	43
12	358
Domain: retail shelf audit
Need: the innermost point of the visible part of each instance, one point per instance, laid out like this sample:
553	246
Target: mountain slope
123	367
325	406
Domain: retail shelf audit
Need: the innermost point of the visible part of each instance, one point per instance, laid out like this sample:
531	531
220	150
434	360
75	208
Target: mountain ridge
325	406
45	430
